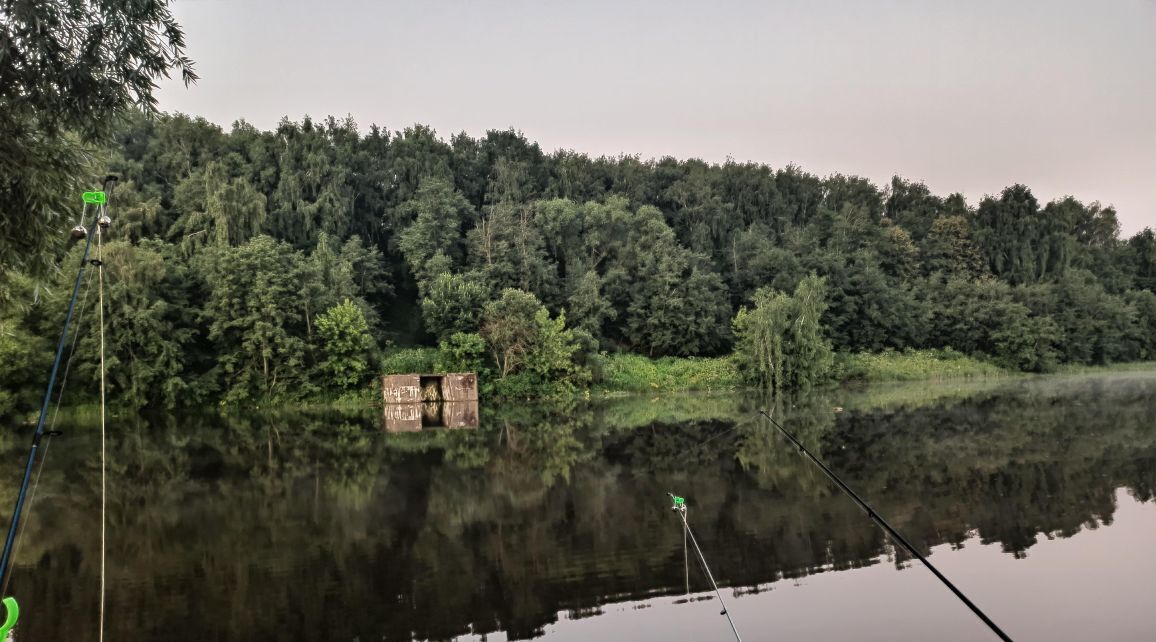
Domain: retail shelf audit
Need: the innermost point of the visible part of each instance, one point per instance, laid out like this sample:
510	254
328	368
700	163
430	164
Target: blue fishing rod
98	199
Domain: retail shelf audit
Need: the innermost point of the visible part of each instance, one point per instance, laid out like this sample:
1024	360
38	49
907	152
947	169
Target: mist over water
1034	495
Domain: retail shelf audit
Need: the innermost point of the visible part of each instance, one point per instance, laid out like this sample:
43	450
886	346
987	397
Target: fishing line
718	436
102	224
679	506
686	561
899	539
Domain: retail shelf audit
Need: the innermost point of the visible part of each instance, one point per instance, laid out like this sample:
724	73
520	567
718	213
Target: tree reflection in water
321	526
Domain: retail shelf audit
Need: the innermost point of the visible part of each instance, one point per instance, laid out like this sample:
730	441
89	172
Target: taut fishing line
102	225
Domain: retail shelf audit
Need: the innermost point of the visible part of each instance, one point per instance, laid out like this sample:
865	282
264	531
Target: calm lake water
1034	495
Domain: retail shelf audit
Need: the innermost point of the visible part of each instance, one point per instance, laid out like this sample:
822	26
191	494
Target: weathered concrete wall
460	386
414	401
401	388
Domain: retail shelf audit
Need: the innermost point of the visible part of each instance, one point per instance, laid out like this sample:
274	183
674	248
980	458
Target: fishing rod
99	200
679	506
899	539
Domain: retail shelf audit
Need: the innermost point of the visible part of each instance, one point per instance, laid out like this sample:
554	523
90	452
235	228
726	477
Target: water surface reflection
553	520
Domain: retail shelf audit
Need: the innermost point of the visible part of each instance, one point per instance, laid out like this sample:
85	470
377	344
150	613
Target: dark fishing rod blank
79	232
894	534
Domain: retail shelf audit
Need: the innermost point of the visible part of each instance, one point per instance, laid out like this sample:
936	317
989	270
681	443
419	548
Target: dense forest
248	265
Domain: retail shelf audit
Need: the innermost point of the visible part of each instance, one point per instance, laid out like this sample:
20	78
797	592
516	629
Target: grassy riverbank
634	373
630	373
913	365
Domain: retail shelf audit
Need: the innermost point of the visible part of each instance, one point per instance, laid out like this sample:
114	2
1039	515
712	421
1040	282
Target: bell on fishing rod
104	222
79	232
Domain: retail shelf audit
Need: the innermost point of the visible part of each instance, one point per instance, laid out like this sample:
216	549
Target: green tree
589	308
462	352
966	314
667	299
759	261
313	193
866	310
524	340
454	304
351	271
1098	327
412	157
950	251
25	350
255	314
1028	343
1143	253
67	70
440	216
1144	303
219	210
912	206
509	328
510	251
346	345
898	254
1021	242
149	335
986	317
779	342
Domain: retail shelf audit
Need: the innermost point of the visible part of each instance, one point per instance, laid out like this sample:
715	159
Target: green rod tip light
98	198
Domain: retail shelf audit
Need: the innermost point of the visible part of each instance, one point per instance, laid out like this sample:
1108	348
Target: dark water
1035	496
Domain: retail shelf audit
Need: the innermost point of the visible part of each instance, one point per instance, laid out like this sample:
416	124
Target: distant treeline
253	264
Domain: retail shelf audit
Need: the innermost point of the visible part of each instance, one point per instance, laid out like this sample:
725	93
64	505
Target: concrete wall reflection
408	417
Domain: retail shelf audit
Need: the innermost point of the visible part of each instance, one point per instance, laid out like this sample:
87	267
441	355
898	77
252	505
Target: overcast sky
964	96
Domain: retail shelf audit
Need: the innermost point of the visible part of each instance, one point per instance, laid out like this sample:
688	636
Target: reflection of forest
321	527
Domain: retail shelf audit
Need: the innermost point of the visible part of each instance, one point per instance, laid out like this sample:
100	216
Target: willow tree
68	70
779	342
218	210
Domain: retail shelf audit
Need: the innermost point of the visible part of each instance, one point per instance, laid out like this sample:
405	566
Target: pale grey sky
965	96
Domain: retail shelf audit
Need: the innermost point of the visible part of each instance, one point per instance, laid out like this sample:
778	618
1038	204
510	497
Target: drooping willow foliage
779	342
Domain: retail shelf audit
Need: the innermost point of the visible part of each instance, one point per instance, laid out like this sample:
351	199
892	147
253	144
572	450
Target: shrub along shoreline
626	373
521	351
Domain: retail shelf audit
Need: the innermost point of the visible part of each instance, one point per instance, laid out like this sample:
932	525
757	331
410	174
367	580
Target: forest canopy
249	264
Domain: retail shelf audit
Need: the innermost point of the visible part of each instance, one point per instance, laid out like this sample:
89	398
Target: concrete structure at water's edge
417	401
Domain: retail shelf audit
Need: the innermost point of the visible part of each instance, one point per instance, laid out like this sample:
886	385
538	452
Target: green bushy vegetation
410	360
913	365
636	373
